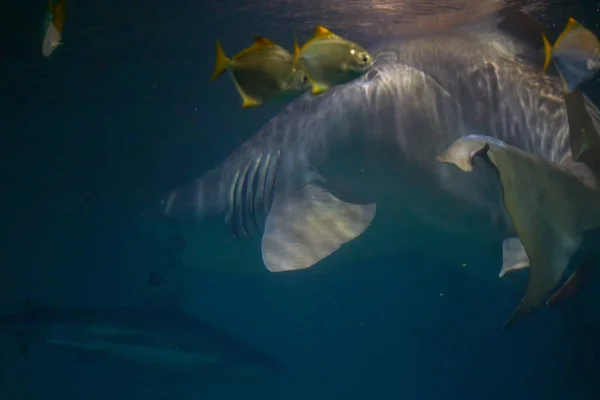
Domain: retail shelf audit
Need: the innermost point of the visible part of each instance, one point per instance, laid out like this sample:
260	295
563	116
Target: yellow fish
52	28
329	60
262	72
576	54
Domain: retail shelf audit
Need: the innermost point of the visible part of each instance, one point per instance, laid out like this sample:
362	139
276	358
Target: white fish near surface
357	165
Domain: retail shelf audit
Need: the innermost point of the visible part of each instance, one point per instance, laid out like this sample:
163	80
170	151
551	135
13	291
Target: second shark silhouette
551	210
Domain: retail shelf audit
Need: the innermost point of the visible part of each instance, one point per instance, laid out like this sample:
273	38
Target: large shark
354	171
159	336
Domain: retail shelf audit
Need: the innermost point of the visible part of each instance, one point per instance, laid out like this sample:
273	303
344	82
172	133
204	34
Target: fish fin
322	32
549	208
262	42
571	287
585	140
547	52
462	153
571	24
296	51
60	15
247	100
305	227
222	62
250	102
514	256
318	87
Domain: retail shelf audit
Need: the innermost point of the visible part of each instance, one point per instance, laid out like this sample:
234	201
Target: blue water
123	113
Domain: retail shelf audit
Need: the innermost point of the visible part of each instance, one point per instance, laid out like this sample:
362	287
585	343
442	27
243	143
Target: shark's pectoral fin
307	226
548	260
548	207
514	256
571	287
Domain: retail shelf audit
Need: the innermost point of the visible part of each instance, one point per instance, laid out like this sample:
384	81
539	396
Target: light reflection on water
378	18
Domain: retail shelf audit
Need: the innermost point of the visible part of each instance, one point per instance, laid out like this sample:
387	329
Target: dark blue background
124	112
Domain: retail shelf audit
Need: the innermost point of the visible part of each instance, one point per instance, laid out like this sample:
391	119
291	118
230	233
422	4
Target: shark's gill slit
251	192
269	186
251	196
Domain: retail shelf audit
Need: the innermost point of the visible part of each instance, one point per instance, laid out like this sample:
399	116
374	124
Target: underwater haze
94	137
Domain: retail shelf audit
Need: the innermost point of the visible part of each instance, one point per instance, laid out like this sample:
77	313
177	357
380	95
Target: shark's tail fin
549	207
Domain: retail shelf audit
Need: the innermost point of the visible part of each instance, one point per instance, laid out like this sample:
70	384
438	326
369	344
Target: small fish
576	54
52	27
262	72
330	60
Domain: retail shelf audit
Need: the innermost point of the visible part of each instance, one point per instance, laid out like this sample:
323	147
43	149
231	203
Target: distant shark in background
160	336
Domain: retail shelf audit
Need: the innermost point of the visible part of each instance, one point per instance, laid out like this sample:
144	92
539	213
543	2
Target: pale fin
247	101
305	227
221	63
514	256
547	52
462	152
262	42
549	208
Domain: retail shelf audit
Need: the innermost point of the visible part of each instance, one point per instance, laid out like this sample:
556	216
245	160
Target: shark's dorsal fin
158	297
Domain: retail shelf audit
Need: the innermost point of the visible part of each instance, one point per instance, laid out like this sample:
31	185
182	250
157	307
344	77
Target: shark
352	174
552	210
158	336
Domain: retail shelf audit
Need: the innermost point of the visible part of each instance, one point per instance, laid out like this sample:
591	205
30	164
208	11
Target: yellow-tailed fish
576	54
52	27
262	72
329	60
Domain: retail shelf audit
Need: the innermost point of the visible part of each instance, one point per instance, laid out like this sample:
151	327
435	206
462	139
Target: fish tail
296	51
60	15
222	62
547	52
